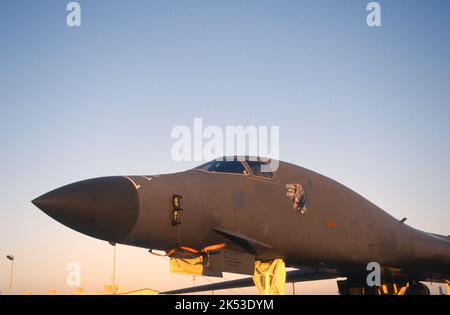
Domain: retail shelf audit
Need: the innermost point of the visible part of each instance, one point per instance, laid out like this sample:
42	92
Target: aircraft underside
270	277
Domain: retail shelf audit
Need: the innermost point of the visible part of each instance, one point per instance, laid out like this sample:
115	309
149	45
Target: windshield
223	167
255	166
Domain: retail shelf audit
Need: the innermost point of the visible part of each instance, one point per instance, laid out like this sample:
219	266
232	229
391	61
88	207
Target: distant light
10	257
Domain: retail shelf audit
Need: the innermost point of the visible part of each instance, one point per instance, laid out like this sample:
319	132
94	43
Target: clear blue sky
367	107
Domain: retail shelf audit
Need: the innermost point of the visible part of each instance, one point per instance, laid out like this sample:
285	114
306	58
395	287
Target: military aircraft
229	215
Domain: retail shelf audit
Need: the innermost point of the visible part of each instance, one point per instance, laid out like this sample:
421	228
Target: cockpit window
223	167
255	166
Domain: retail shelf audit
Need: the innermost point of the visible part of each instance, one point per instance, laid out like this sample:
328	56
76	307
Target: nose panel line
137	186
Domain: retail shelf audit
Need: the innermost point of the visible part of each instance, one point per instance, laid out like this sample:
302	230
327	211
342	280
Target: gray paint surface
340	230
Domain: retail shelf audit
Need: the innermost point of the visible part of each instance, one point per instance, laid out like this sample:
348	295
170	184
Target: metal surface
320	224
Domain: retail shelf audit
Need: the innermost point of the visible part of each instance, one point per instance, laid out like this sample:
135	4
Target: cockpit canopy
239	165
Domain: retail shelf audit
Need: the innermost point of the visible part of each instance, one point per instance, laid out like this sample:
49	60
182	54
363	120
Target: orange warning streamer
191	250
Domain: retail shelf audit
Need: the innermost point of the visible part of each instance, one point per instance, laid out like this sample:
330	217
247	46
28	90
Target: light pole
11	258
114	269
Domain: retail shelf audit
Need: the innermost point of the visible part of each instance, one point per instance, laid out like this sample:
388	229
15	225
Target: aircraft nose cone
106	208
